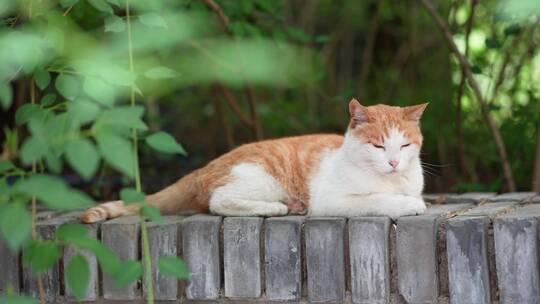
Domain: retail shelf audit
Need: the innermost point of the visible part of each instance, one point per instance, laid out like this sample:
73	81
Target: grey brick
283	258
468	268
369	258
9	265
50	279
242	256
416	247
470	197
513	197
517	258
122	236
325	259
200	245
164	241
491	209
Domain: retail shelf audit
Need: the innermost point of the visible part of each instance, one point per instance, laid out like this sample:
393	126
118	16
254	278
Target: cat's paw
408	205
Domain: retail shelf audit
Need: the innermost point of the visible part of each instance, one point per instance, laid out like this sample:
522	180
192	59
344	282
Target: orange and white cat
374	169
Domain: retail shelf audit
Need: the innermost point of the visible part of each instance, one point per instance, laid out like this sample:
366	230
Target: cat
374	169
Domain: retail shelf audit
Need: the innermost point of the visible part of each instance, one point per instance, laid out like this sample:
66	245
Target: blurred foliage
219	74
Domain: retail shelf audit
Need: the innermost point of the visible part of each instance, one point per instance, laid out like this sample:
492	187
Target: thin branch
221	115
233	104
368	51
461	90
501	148
257	132
68	10
248	90
221	14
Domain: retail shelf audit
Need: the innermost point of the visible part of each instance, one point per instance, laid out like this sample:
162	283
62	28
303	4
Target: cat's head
385	138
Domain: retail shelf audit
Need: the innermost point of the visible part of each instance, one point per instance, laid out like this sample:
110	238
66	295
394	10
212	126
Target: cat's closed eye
405	145
378	146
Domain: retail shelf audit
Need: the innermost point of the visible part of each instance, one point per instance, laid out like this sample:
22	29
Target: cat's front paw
409	205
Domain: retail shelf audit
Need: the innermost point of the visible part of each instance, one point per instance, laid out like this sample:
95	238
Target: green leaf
53	192
43	256
160	72
130	272
153	20
6	95
25	112
130	196
5	165
67	85
48	99
173	266
117	151
101	5
68	232
15	225
16	299
114	24
152	214
68	3
83	156
33	149
53	163
107	259
163	142
83	111
126	116
42	78
77	276
99	90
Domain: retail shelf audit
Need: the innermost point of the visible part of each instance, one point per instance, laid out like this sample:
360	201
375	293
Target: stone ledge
473	246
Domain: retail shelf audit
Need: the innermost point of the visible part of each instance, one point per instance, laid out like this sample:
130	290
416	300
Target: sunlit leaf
114	24
152	214
101	5
160	72
108	260
77	276
126	116
25	112
153	20
53	192
164	142
33	149
99	90
83	111
68	232
48	99
131	272
43	256
173	266
42	78
15	225
130	196
83	156
117	151
68	86
68	3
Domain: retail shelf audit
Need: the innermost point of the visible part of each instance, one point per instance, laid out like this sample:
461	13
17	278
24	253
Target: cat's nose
394	163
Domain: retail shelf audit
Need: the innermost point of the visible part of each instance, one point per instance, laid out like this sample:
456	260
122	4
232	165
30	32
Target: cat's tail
173	199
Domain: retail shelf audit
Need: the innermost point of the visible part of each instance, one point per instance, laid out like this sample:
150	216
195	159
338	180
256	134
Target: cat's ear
414	113
358	113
